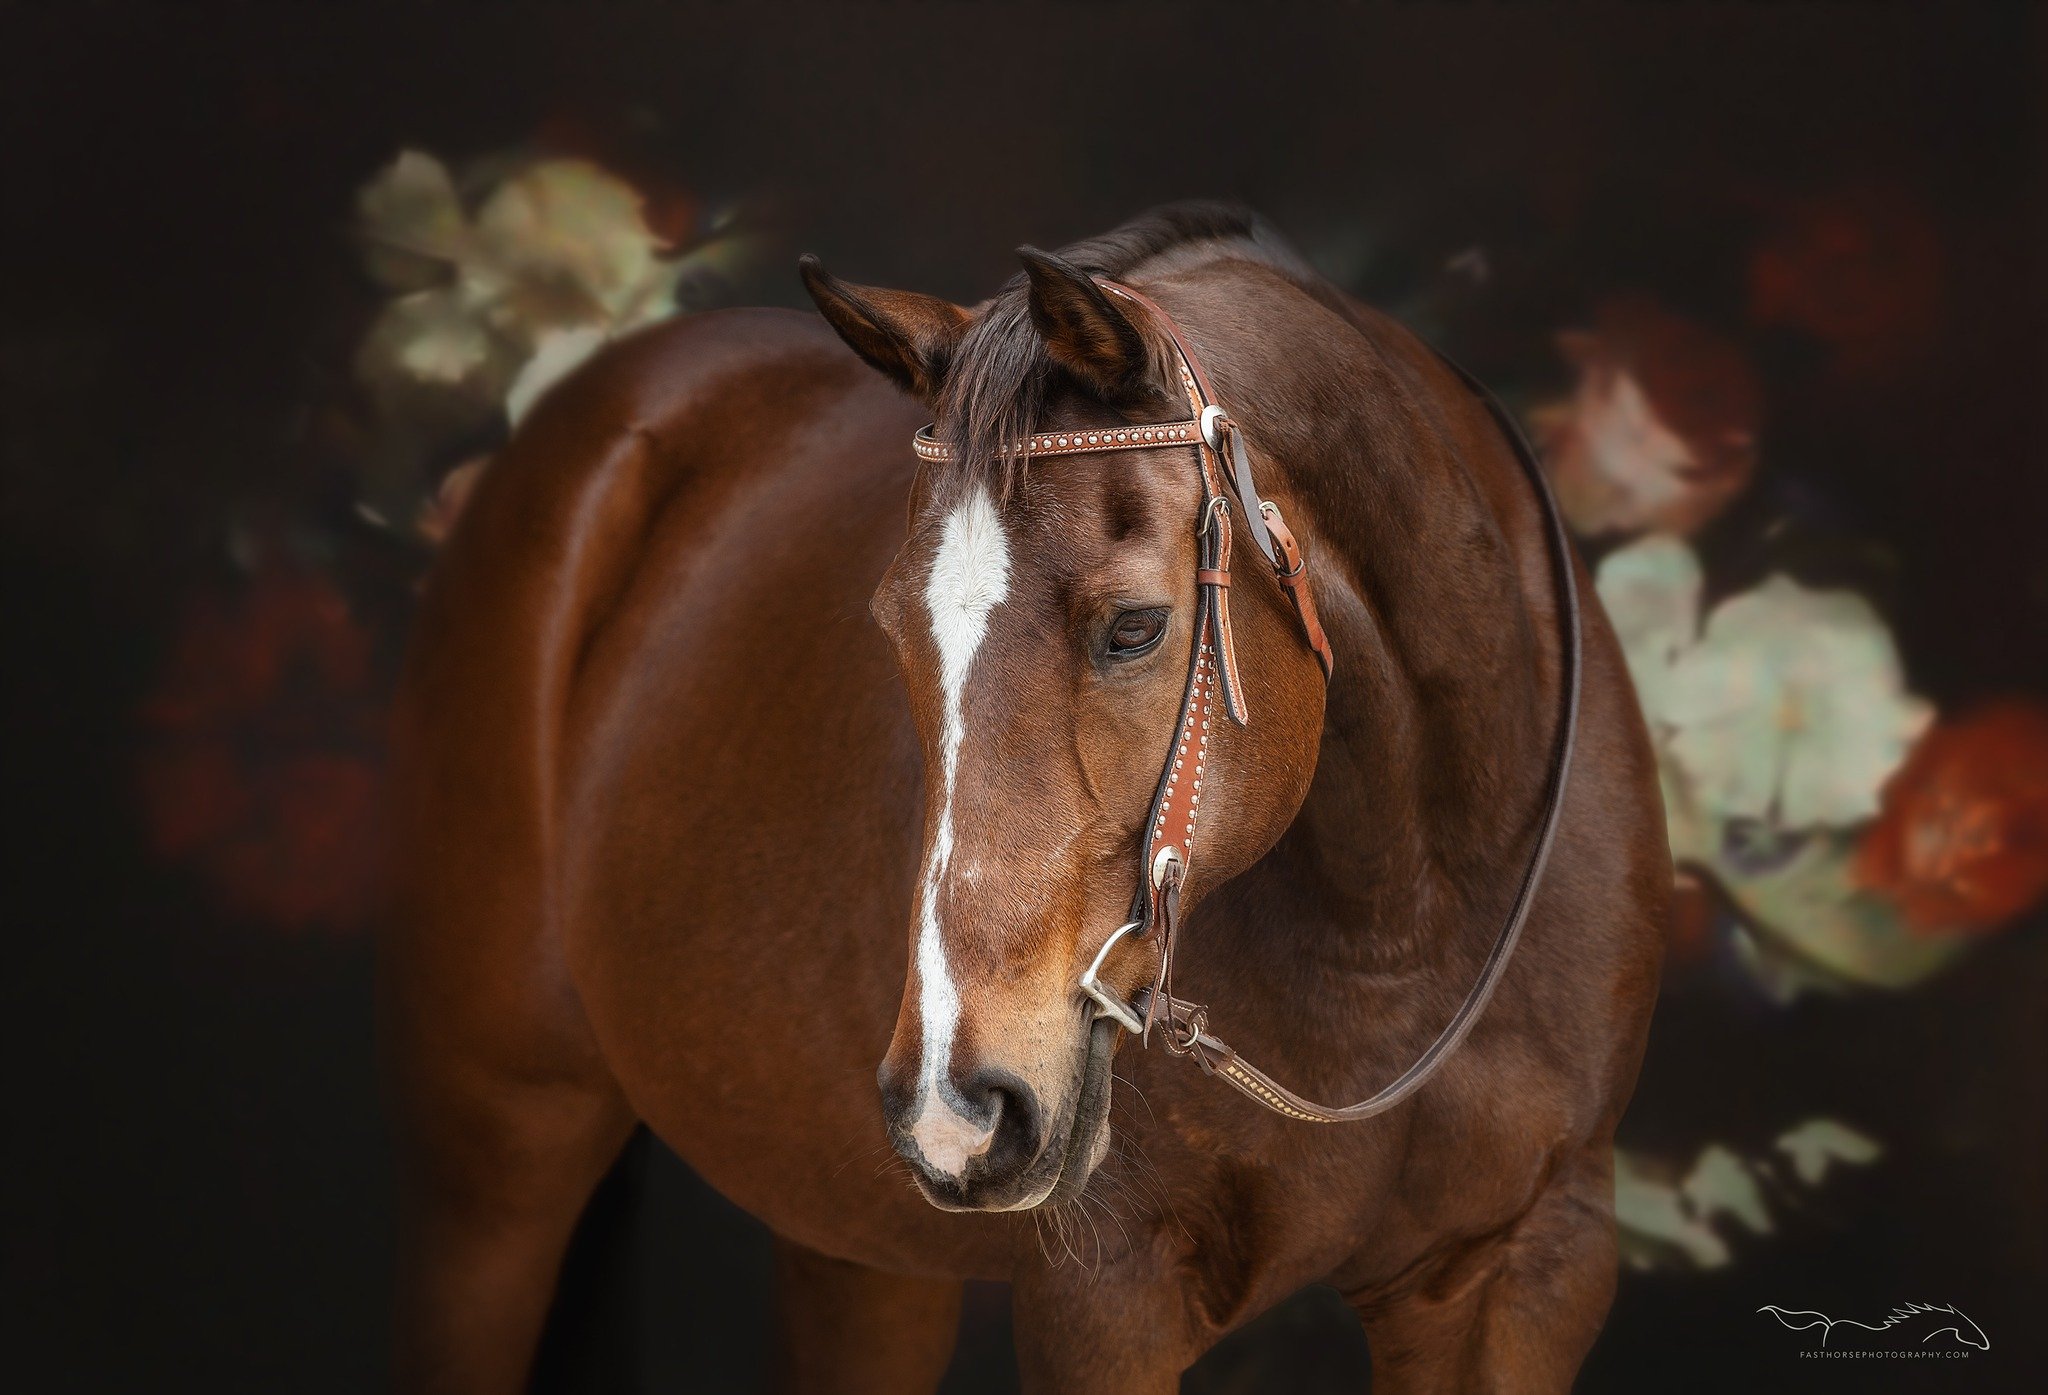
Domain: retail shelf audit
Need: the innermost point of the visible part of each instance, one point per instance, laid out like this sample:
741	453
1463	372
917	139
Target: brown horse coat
664	809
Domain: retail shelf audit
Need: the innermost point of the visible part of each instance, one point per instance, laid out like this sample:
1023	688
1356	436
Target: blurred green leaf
1816	1145
1722	1184
1658	1226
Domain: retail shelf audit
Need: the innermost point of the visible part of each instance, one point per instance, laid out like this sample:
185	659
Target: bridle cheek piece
1167	848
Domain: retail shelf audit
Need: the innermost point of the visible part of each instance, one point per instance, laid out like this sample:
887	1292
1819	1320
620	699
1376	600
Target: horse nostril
897	1089
1012	1109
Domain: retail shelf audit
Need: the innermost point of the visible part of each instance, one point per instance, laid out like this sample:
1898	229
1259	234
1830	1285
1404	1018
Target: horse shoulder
549	542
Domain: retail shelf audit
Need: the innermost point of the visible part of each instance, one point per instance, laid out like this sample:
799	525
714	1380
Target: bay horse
743	748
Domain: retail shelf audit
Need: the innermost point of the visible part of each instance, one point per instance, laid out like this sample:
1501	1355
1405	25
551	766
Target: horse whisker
1132	1086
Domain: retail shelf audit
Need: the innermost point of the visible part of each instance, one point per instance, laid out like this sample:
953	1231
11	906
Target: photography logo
1910	1330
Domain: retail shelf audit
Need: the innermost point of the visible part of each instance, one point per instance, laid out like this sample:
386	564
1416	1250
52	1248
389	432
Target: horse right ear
1084	331
909	337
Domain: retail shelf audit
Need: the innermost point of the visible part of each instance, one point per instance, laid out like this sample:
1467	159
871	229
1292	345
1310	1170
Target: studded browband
1167	848
929	447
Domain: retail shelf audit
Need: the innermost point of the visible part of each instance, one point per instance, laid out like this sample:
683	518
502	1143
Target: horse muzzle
990	1144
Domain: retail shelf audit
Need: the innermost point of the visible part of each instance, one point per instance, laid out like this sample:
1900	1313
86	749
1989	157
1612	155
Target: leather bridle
1167	848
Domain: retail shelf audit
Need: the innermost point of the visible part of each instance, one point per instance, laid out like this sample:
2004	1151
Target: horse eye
1135	632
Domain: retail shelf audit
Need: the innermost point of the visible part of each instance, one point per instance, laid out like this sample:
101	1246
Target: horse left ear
909	337
1085	332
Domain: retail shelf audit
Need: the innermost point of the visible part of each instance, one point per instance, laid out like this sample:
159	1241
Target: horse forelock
1001	379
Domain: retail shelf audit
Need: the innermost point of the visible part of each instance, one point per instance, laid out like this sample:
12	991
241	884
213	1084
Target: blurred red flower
1961	840
260	764
1660	432
1859	269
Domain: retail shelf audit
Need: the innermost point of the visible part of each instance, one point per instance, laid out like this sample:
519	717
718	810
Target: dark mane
996	387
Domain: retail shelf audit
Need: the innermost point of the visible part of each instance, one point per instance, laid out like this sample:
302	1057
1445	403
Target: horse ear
1084	330
909	337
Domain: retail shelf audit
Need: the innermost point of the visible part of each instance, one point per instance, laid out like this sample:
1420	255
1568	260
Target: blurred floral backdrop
1833	831
477	291
1783	365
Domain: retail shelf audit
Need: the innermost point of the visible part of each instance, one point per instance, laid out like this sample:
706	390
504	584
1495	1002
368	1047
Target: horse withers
718	792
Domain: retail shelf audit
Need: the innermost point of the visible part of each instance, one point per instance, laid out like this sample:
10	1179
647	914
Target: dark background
197	1192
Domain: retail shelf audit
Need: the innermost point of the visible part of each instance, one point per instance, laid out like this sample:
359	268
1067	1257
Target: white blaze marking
970	576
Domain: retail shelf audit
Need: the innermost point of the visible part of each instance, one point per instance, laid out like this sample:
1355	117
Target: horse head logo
1911	1324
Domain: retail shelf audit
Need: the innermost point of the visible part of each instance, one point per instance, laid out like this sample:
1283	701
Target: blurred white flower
558	259
1782	721
412	223
431	337
1651	591
1792	707
1813	930
567	223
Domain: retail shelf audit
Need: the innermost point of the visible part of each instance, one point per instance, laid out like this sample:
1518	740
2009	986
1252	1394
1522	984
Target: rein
1168	844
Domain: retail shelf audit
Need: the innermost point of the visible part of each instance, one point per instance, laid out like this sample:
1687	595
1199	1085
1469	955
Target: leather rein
1168	844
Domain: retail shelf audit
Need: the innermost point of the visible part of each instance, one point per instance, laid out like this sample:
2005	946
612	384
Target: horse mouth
1087	1135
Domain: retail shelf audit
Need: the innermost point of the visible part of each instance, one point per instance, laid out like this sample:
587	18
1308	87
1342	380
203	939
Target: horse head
1935	1322
1043	613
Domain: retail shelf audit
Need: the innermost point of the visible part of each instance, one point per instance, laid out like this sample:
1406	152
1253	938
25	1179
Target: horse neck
1435	736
